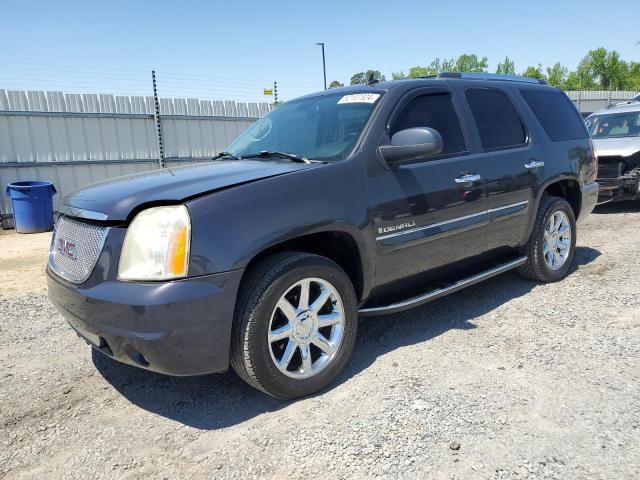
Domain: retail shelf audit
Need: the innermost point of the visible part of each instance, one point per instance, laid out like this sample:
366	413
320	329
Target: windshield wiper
225	155
275	153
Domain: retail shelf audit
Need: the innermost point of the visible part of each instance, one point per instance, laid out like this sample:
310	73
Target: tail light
594	163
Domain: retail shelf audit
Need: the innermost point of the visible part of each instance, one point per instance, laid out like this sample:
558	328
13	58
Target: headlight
156	246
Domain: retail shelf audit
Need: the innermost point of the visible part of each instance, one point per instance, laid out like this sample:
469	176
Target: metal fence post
156	117
578	100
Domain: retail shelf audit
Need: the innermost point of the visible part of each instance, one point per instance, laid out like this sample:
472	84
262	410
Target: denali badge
66	248
393	228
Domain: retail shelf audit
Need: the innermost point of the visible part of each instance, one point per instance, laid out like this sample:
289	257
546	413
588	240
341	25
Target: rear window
556	114
498	122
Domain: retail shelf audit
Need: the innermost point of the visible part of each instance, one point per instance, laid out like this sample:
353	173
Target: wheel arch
336	245
567	188
563	186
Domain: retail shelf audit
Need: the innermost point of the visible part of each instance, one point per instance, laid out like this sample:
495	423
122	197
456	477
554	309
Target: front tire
552	245
295	324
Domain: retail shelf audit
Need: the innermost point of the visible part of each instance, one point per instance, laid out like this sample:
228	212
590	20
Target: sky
234	49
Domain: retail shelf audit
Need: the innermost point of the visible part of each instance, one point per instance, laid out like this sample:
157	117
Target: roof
620	108
390	84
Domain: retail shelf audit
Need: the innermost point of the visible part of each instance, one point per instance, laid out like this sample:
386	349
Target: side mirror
411	144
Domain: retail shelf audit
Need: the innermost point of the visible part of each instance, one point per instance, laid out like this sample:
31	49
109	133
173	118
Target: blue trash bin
32	206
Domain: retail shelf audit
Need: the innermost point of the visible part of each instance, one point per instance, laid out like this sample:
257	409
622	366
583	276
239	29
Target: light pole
324	66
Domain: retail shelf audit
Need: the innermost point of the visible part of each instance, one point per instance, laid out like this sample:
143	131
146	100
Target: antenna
372	80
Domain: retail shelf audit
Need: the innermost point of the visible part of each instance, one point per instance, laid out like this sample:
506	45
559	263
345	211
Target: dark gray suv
357	201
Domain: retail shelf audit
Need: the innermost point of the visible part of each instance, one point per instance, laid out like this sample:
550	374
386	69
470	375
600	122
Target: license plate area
92	338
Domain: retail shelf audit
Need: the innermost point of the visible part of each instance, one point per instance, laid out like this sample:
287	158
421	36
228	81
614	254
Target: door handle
468	178
533	165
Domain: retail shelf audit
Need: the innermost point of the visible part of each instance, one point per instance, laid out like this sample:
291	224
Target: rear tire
551	247
287	343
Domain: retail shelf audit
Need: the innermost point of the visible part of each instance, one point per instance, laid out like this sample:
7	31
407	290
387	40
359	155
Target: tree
508	67
534	72
470	63
363	77
604	69
336	84
573	82
418	71
557	75
633	80
398	75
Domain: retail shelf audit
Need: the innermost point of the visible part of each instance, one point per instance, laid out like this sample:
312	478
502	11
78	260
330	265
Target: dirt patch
23	260
509	379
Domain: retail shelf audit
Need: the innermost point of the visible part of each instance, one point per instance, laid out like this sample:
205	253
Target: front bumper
589	199
177	328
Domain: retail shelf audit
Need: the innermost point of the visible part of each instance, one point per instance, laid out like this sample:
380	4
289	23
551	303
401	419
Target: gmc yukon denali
356	201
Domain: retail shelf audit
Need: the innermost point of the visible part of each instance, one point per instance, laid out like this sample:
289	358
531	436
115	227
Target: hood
623	146
116	198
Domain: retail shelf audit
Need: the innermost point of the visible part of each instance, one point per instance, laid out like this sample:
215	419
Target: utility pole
324	66
156	117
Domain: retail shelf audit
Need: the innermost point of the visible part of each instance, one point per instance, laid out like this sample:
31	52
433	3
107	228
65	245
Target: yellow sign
268	91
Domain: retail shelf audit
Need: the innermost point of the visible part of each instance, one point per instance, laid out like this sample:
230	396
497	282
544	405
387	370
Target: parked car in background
616	136
355	201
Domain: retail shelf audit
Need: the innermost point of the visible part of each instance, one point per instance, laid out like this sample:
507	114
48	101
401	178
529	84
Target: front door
433	211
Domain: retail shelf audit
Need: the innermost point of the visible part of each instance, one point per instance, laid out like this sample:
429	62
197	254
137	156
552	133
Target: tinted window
437	112
556	114
498	122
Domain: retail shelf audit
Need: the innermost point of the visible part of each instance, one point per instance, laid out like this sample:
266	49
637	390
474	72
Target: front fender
231	227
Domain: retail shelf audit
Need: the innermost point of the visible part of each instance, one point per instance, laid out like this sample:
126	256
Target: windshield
614	125
322	128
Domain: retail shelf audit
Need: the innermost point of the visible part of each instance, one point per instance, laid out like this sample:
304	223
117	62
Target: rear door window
498	123
556	114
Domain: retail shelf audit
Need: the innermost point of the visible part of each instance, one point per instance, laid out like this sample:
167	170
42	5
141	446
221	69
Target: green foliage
600	69
508	67
604	69
470	63
633	80
534	72
418	71
362	77
557	75
336	84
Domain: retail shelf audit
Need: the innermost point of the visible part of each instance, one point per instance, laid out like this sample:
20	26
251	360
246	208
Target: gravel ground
508	380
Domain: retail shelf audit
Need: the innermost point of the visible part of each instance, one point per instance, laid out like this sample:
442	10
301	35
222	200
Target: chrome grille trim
88	240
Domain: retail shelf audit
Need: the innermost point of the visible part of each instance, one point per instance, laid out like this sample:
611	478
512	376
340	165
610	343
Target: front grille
75	248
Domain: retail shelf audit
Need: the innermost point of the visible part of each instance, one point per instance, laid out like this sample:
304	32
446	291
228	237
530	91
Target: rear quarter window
556	114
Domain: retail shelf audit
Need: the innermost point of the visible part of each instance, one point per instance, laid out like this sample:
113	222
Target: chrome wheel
306	328
557	240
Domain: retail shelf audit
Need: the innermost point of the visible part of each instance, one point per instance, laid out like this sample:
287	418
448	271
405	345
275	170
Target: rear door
508	159
429	212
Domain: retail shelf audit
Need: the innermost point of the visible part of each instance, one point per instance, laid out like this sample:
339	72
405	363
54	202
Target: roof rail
490	76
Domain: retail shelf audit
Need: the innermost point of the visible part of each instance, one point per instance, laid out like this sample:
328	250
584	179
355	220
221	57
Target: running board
441	292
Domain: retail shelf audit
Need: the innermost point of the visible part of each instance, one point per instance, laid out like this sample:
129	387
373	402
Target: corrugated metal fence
588	101
76	139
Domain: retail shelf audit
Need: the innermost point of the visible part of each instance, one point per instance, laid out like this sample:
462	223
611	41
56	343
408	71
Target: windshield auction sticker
359	98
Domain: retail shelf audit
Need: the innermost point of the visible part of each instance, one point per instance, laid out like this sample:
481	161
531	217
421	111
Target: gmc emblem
66	248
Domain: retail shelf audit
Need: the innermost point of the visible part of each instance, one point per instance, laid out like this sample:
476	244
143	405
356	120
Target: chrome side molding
453	220
441	292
